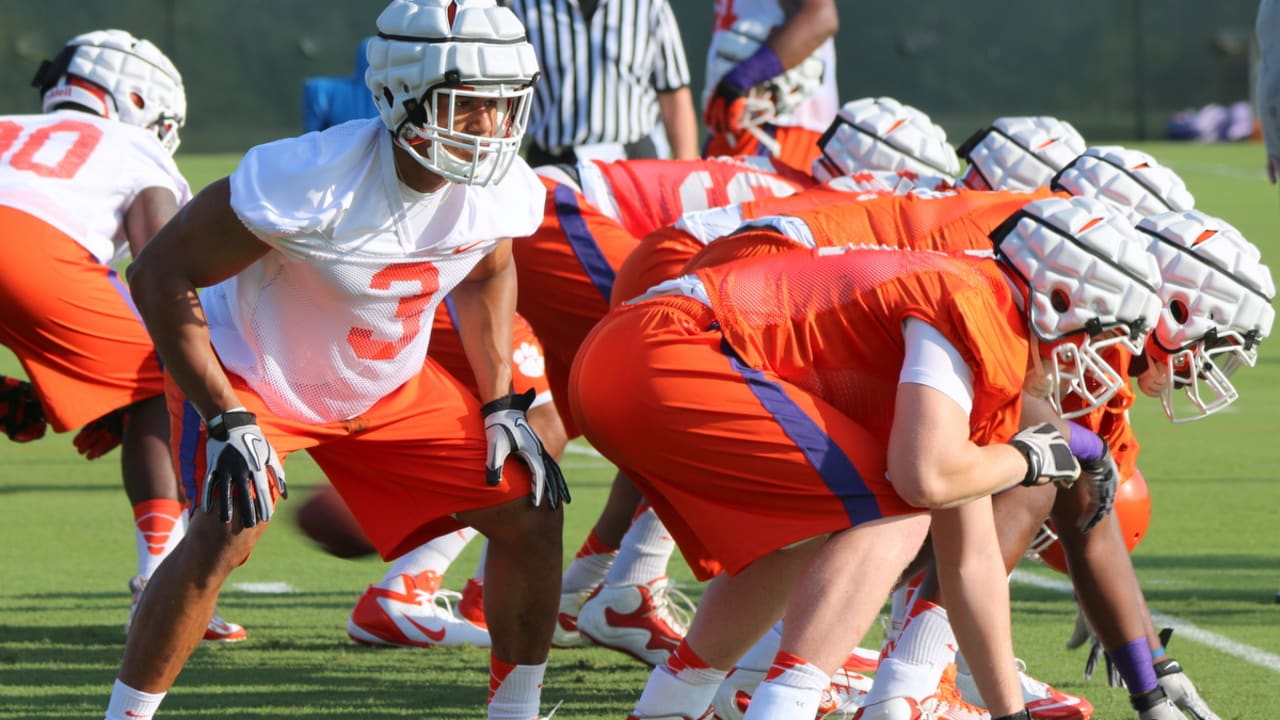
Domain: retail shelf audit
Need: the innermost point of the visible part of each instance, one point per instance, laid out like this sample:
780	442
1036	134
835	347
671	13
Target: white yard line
1248	653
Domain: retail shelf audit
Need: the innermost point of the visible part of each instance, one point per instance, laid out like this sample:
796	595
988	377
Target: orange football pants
736	461
72	324
402	467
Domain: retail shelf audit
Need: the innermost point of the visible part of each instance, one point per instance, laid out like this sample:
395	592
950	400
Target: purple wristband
1085	443
762	65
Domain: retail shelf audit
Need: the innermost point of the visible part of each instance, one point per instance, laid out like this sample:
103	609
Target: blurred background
1116	69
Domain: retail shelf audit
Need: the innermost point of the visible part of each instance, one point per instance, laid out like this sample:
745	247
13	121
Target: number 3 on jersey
54	151
409	310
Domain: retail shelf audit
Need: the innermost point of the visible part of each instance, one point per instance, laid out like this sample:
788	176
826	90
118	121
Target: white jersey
80	173
338	314
818	110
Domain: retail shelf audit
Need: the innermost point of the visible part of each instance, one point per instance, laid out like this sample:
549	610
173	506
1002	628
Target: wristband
762	65
219	426
1085	444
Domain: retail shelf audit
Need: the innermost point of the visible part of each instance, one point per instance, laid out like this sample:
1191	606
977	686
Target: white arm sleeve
932	360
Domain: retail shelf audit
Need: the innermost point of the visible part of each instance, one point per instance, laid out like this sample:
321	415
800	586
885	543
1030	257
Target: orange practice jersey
949	221
831	323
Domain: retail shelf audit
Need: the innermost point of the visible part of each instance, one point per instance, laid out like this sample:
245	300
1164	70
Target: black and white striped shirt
600	76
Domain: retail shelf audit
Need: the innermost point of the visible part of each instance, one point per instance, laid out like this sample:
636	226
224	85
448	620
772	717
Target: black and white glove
242	468
1175	683
508	433
1049	457
1101	478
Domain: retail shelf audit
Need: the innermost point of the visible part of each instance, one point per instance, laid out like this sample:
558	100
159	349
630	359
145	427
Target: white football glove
242	468
508	433
1102	478
1049	458
1175	683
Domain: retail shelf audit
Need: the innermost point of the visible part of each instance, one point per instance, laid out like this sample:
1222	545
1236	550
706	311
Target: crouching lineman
752	415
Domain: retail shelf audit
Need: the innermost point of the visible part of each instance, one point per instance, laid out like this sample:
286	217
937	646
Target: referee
610	70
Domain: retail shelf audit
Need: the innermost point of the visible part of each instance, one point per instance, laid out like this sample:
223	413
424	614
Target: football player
771	78
774	483
82	185
323	258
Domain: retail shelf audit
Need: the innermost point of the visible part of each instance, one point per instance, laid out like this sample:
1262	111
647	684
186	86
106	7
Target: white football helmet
778	95
430	55
120	77
1131	181
1091	285
1216	296
884	134
1019	153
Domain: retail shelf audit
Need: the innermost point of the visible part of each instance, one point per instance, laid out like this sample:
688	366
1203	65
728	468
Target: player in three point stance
323	258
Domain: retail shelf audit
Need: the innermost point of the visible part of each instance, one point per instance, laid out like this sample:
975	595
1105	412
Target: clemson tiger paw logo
528	357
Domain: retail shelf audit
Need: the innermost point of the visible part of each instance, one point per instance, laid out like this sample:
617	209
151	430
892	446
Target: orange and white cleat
411	611
639	620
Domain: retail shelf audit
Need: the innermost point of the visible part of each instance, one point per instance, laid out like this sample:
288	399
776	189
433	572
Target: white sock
922	652
518	695
435	555
139	705
792	694
686	692
646	550
586	571
760	656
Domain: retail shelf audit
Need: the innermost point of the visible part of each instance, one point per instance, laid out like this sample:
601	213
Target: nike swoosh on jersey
467	247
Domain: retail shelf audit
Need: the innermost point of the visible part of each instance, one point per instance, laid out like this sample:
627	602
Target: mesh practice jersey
830	321
80	173
338	314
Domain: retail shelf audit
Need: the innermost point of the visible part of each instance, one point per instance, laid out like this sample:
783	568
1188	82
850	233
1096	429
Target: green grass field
1209	565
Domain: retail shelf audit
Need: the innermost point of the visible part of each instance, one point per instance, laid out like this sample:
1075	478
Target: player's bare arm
932	463
150	211
205	243
812	22
485	302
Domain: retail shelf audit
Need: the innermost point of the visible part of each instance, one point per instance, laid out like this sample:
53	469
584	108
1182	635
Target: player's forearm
803	32
680	121
485	310
173	315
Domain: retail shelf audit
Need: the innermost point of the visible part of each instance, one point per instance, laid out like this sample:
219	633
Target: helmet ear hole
137	100
1059	300
1178	309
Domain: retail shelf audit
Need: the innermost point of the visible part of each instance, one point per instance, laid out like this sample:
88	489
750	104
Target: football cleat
844	695
218	630
639	620
734	694
471	606
566	634
1043	700
410	611
840	700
